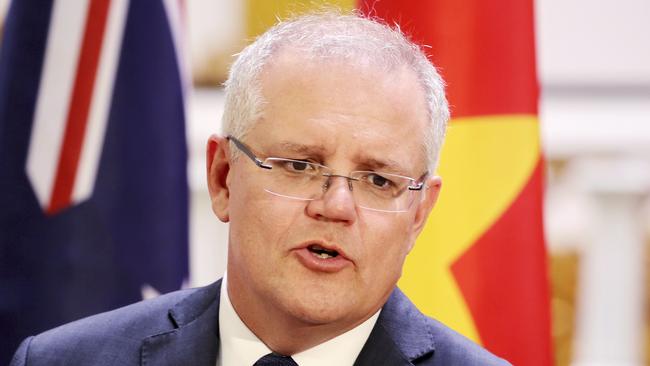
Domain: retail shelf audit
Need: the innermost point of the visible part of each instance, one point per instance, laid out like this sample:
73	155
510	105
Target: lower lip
329	265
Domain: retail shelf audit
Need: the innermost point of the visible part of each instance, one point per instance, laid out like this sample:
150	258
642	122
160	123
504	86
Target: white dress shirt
238	346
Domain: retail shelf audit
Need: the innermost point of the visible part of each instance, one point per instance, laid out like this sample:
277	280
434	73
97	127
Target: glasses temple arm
416	187
248	153
419	185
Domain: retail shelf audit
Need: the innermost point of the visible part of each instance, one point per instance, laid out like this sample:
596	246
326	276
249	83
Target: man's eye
378	181
297	166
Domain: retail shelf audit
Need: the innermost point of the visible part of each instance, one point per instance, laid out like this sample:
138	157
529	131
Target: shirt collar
239	346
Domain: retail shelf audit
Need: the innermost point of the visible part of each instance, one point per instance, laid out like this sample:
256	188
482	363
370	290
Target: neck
281	331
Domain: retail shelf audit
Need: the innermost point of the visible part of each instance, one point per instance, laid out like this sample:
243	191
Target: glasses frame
416	186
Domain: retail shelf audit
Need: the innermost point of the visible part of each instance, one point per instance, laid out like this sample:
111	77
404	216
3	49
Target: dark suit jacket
182	328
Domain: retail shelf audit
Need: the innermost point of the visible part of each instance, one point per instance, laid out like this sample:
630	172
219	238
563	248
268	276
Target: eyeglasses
307	181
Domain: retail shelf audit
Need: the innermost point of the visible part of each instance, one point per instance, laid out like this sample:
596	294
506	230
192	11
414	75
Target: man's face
347	119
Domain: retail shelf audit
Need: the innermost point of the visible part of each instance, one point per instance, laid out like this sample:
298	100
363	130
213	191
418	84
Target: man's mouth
320	252
323	257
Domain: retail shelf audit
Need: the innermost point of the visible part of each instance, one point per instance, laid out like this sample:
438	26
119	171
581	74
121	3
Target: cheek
248	201
387	239
260	218
246	208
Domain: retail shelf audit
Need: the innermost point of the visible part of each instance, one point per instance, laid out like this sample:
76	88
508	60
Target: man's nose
337	202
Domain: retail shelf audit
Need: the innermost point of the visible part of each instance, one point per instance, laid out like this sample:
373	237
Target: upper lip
325	245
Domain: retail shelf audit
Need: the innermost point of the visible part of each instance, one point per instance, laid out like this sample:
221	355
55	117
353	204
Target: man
332	130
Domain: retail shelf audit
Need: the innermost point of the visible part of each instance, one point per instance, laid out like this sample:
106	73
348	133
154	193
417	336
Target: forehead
362	111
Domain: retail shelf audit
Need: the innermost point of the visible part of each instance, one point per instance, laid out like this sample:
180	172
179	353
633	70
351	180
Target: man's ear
428	200
218	167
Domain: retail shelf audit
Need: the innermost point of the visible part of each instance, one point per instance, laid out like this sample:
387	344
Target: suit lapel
401	336
193	338
380	349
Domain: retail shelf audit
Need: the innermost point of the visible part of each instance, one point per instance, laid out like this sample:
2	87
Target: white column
610	313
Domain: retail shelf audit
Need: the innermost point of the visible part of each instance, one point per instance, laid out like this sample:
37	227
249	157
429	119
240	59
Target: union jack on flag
93	182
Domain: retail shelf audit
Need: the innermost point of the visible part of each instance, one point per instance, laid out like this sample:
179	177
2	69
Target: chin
316	308
320	315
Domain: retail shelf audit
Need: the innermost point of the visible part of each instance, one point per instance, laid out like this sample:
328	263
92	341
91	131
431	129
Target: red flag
480	264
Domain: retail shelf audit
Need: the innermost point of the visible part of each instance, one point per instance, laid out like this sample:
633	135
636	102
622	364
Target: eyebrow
385	164
300	148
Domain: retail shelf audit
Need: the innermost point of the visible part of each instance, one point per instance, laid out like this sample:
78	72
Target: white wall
594	63
208	236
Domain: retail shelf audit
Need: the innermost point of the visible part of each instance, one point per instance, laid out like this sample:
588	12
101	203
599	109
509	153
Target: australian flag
93	182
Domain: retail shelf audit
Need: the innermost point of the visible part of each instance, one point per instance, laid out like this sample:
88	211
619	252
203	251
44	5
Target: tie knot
274	359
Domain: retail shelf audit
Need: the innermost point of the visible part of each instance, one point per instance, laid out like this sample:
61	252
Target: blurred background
593	63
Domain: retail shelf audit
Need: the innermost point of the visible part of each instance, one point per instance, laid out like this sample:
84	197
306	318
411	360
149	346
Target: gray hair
333	36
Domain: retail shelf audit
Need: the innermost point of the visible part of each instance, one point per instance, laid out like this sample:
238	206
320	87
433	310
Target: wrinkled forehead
330	102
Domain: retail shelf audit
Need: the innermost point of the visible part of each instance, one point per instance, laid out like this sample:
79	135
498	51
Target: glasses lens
382	191
295	178
303	180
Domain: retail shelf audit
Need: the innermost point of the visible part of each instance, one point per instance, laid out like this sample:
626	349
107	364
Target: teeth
321	252
322	255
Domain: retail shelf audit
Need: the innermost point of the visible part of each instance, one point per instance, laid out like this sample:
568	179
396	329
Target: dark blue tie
274	359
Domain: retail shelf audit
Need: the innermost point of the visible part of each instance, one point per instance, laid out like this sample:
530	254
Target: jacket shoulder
452	348
110	338
427	341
